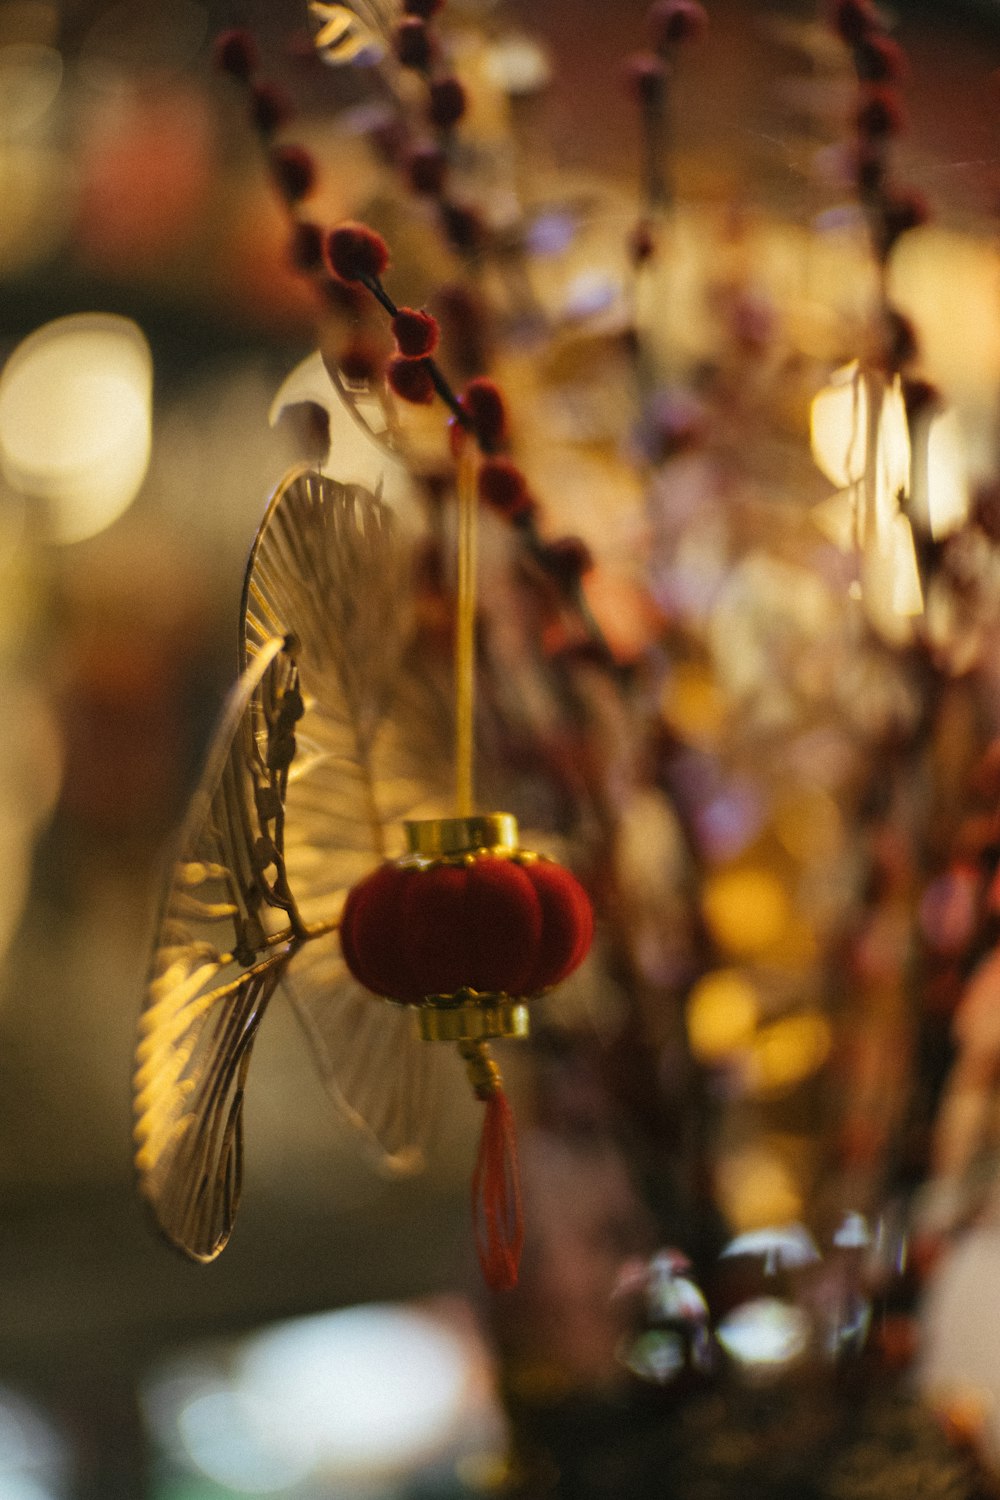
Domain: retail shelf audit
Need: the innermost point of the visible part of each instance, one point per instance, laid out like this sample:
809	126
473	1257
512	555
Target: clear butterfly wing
223	942
331	569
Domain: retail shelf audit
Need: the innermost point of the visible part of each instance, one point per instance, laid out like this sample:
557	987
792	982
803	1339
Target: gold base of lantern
437	838
472	1018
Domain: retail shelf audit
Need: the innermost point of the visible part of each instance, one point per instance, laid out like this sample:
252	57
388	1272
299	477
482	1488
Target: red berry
445	102
920	397
426	168
901	212
879	59
880	113
566	559
464	227
868	168
235	53
413	43
411	379
641	244
900	345
270	107
361	361
294	170
672	22
305	250
646	77
501	484
416	333
484	404
854	20
356	253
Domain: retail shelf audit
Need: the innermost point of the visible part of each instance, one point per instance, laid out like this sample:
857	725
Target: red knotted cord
496	1196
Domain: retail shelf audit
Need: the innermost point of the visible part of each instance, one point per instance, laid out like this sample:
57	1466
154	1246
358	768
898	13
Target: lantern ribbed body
489	922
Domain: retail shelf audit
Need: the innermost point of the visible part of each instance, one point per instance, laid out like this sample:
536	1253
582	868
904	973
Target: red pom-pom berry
641	244
566	559
879	59
294	170
356	253
270	107
362	360
305	250
463	226
411	379
486	409
646	77
900	344
673	22
854	20
416	333
235	53
900	213
446	102
880	112
502	486
412	43
426	170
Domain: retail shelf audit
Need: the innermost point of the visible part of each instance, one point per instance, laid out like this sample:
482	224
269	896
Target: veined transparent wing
382	1077
226	933
331	569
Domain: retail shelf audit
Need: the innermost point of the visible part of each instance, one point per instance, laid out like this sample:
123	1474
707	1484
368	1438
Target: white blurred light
786	1245
33	1457
853	1233
75	420
231	1441
354	1399
765	1334
376	1388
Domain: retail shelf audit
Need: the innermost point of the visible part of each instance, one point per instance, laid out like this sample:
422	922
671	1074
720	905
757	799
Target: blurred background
343	1345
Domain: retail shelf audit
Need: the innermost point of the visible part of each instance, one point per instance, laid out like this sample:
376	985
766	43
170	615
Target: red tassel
496	1196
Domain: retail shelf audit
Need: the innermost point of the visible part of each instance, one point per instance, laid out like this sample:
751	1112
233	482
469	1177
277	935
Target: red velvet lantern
466	927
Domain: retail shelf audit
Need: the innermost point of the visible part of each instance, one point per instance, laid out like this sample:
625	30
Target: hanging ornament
463	926
328	758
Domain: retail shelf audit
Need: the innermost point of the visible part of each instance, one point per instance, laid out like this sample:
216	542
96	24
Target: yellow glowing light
838	424
939	486
746	909
810	827
722	1012
75	420
789	1051
756	1189
692	703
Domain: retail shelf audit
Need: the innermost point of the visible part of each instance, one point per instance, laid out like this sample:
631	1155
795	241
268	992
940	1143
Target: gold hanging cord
465	627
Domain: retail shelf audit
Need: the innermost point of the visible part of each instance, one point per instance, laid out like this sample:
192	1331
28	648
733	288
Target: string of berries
359	257
879	118
671	25
294	174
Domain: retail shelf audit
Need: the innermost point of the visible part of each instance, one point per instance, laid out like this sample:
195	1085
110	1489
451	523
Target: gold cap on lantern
472	1020
433	838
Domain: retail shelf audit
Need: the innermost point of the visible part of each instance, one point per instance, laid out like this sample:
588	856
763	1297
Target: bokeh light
75	421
